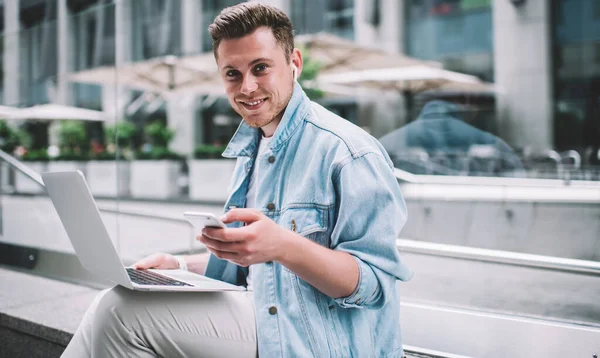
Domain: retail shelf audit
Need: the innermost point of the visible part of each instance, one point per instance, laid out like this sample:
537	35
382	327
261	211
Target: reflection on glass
439	141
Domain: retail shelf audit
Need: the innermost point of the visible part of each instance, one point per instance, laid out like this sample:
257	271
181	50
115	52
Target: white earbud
295	72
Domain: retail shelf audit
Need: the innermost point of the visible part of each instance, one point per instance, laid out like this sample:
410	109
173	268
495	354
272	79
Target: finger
229	234
229	256
244	215
147	262
220	245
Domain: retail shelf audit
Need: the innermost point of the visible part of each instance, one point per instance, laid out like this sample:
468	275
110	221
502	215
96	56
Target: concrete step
38	316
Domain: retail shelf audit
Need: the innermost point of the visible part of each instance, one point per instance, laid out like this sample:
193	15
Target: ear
296	63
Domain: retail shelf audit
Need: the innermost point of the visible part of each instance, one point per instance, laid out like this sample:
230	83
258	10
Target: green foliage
158	153
40	155
25	138
209	152
308	76
108	156
158	134
120	134
72	137
74	155
9	137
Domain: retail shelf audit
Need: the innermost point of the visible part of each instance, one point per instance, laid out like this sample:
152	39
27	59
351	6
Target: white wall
114	97
11	52
523	72
181	111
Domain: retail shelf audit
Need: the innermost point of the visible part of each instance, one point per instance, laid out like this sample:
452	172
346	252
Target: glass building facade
334	16
576	46
457	33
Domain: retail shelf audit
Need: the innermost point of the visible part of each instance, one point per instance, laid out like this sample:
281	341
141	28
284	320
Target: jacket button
271	206
271	159
273	310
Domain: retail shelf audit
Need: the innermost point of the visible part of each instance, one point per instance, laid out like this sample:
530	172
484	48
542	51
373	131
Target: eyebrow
253	62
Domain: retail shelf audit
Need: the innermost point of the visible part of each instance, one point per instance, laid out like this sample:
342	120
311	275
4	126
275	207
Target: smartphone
201	220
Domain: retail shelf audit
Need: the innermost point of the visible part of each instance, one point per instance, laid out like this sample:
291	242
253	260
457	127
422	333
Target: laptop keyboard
145	277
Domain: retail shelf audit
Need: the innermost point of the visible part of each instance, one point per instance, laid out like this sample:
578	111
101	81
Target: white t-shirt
251	195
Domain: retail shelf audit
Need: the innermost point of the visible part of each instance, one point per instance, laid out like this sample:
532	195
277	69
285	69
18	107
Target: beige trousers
125	323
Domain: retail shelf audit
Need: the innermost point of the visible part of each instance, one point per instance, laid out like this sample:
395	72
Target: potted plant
108	171
9	140
73	148
155	172
209	173
9	137
37	160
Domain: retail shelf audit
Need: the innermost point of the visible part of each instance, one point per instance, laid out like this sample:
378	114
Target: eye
232	73
261	67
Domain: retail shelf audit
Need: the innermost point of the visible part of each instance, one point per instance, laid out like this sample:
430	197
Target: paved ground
445	281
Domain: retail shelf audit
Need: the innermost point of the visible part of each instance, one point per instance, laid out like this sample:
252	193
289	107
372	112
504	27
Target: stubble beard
277	116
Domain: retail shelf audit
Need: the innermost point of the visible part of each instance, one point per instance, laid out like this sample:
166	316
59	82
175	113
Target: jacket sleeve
370	215
226	271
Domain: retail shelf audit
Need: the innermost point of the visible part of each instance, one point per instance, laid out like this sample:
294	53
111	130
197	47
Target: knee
111	306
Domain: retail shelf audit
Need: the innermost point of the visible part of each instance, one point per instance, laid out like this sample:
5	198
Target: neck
270	128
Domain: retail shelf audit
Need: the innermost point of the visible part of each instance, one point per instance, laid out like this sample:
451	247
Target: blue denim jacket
332	183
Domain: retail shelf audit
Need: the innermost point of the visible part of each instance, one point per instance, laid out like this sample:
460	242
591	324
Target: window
210	10
451	30
156	28
338	17
577	75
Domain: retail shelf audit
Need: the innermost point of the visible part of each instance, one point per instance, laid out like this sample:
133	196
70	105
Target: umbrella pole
171	68
408	99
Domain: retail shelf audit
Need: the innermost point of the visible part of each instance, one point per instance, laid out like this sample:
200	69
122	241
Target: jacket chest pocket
309	222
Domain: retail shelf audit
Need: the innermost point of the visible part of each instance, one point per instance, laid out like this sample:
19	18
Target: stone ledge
43	308
38	315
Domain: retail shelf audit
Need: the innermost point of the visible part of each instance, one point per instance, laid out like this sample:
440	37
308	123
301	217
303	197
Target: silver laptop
79	214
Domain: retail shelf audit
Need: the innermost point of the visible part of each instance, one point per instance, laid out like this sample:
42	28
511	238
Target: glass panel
156	28
338	17
577	80
210	9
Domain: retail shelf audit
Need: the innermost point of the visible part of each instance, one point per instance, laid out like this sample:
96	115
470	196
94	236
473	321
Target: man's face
258	79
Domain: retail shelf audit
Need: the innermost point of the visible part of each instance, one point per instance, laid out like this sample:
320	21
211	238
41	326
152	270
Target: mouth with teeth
254	104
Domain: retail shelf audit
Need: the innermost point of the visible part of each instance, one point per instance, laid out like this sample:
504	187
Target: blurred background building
503	243
542	56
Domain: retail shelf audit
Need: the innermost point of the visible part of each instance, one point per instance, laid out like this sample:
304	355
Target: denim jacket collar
245	140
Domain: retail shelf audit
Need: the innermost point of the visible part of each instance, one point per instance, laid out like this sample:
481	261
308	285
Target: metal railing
499	256
36	177
407	177
16	164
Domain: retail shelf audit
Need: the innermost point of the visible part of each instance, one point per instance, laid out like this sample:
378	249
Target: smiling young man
313	215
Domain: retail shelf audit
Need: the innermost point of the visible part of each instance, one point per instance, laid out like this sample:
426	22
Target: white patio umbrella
199	74
164	75
339	55
51	111
408	80
8	112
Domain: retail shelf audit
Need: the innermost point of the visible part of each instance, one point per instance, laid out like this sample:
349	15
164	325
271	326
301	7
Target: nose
249	84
